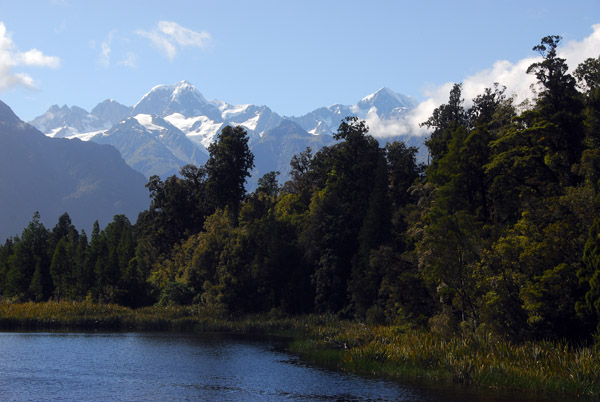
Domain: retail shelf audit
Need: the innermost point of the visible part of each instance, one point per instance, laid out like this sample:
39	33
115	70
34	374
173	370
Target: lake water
188	367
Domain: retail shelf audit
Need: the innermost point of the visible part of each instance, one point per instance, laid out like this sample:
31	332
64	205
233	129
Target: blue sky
293	56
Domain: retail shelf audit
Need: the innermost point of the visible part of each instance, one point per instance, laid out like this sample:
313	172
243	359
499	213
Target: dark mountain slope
87	180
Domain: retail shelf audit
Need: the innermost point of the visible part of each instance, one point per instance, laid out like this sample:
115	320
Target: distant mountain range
173	125
53	176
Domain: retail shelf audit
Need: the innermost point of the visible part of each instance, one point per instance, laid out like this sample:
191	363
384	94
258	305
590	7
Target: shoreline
540	368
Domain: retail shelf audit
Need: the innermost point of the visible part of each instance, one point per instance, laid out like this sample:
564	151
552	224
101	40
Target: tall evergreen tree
557	112
60	269
30	254
443	121
228	167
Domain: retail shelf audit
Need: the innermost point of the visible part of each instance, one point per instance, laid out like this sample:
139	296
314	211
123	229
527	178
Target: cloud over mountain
512	75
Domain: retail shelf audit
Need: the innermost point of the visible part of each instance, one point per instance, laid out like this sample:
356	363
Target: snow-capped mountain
184	106
274	150
387	103
156	135
151	145
324	120
384	104
182	98
66	121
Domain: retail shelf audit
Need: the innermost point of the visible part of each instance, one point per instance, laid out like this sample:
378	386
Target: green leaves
228	167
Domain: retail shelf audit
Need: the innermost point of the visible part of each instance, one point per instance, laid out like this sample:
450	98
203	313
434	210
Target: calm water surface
187	367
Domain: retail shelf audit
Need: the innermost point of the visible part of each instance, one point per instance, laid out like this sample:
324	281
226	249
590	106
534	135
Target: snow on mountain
75	122
183	123
70	133
62	132
229	111
152	145
274	150
75	118
383	105
256	119
184	106
183	98
146	120
167	114
324	120
388	103
200	129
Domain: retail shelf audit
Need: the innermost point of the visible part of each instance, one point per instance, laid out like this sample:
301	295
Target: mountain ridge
54	175
185	108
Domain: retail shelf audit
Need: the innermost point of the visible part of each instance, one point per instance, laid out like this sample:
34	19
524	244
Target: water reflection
187	367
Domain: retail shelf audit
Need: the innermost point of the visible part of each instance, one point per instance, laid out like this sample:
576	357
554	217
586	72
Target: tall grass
91	316
549	367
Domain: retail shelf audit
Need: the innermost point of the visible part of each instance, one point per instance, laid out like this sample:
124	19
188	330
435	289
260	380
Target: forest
500	231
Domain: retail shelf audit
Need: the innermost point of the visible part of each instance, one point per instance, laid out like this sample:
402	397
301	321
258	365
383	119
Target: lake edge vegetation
543	367
496	241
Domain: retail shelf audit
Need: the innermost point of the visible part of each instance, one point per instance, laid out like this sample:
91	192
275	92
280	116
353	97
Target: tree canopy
498	233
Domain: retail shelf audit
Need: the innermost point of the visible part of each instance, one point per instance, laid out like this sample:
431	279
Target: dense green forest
500	231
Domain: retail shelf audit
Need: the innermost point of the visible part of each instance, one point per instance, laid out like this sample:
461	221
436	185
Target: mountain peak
163	100
112	111
184	84
7	115
385	100
383	92
107	102
184	87
174	90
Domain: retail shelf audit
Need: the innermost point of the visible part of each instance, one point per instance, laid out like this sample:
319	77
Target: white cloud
105	49
161	42
576	52
10	58
170	37
511	75
184	36
34	57
105	54
379	127
130	60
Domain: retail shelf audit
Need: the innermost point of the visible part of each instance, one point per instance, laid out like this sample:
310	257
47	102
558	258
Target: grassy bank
551	368
386	351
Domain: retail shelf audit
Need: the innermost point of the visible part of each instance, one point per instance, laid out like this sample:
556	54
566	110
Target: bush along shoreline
551	368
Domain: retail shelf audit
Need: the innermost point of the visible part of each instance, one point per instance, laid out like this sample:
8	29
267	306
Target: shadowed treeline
497	235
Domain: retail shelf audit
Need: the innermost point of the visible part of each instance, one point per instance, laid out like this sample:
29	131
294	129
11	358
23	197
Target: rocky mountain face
384	104
56	175
152	146
62	121
179	118
274	150
111	112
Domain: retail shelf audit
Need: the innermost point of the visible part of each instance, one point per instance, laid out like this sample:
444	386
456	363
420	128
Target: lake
169	366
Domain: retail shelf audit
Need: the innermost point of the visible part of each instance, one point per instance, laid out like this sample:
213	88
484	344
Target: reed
548	367
91	316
